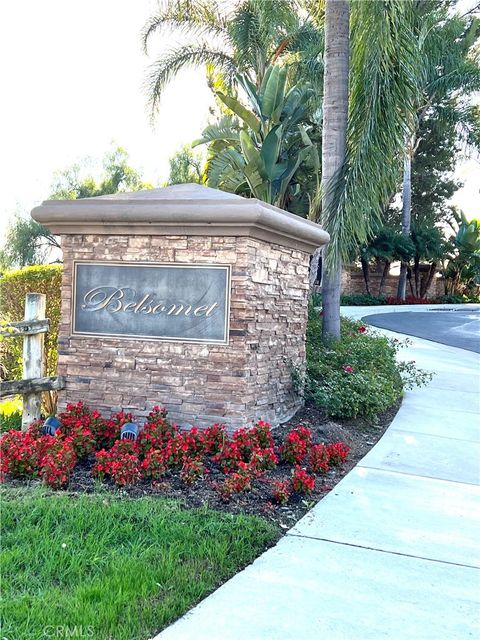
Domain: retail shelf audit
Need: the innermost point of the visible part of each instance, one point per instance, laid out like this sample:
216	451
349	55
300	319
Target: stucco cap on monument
185	209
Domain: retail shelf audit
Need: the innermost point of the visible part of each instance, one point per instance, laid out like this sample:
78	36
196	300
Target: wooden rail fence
33	329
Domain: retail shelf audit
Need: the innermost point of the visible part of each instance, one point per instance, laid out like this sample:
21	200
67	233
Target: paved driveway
454	327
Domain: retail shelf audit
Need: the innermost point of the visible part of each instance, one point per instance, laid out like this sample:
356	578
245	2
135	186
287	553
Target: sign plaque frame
161	301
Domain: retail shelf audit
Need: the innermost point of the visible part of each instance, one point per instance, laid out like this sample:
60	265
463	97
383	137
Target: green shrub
457	298
361	299
358	375
14	285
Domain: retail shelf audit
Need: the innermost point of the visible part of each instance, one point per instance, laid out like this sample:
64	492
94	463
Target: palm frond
167	67
384	90
194	18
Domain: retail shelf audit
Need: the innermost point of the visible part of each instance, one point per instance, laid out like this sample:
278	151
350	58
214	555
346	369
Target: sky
72	81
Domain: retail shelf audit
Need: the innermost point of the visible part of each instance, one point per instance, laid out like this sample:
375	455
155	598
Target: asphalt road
457	328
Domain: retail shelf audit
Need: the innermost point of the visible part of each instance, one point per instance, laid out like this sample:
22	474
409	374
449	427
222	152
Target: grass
115	568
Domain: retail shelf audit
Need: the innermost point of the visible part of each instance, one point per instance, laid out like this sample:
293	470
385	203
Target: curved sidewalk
393	551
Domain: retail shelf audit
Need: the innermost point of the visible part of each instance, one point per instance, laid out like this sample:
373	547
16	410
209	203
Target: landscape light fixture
51	426
129	431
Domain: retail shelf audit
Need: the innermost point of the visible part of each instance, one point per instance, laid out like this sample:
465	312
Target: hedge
14	285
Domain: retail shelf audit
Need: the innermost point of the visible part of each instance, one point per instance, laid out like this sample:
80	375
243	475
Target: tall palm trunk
334	137
406	216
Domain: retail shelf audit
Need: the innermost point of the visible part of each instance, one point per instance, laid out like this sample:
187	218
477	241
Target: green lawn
117	568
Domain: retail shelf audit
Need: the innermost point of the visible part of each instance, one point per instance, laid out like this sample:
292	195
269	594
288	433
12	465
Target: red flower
281	491
347	368
302	482
337	452
296	445
319	458
362	329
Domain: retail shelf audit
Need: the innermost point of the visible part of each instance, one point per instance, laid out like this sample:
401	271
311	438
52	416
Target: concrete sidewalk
393	551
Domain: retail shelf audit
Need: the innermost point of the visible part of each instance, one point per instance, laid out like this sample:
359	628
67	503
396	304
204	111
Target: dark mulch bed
359	434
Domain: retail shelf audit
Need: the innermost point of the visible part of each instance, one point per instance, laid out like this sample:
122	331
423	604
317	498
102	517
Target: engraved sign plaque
164	301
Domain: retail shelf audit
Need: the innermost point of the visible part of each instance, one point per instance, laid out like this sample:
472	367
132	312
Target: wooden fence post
33	357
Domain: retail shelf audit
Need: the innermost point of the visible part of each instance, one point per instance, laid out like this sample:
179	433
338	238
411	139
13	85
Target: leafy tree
117	176
462	271
433	165
448	73
185	167
28	242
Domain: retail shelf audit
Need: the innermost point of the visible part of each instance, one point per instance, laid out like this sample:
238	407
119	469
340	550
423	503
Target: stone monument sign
183	296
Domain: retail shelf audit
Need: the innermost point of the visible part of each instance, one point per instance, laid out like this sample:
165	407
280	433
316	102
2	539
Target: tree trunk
406	215
334	140
386	269
366	274
416	275
428	280
409	278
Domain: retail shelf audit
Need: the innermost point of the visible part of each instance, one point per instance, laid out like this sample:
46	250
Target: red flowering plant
176	451
157	432
214	438
194	442
319	458
245	441
281	491
121	463
35	428
57	463
296	445
157	414
255	440
191	471
262	432
154	465
83	426
18	454
302	482
82	439
337	452
107	431
263	459
101	468
236	482
229	457
21	452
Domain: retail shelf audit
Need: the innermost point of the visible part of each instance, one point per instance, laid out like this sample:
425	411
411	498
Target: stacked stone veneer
200	384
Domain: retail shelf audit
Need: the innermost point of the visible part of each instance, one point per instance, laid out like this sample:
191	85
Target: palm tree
382	91
334	142
227	38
